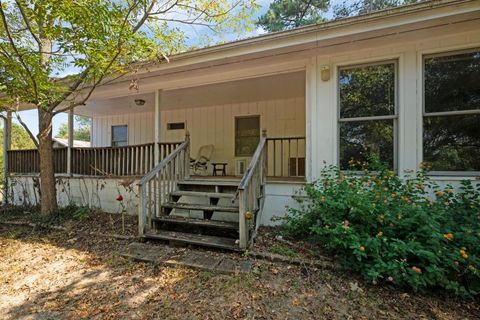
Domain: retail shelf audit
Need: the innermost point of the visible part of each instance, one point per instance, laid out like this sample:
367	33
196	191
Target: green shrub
408	232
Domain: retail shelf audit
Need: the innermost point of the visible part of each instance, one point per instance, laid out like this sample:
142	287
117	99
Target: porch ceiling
279	86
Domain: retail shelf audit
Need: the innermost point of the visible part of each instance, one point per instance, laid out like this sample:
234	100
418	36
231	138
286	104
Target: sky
31	118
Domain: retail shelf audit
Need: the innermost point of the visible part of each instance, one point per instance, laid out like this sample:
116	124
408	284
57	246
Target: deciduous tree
41	39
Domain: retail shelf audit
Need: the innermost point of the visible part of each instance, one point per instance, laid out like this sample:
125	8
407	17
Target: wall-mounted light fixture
325	73
139	102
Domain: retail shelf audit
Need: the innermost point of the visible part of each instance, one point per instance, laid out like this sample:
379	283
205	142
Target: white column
321	114
310	115
158	96
409	120
70	141
7	142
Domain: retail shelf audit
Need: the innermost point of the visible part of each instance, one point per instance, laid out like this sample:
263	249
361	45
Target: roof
315	28
76	143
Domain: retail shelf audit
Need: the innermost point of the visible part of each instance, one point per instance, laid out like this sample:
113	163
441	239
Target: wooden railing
28	161
134	160
286	157
251	193
156	185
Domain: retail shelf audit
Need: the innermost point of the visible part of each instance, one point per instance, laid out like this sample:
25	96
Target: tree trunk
48	192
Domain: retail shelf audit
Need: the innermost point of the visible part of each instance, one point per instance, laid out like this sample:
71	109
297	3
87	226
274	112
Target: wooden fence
135	160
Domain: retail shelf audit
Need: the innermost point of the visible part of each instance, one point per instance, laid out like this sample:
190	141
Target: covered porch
134	132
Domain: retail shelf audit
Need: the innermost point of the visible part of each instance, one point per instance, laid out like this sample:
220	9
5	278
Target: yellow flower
380	234
471	268
463	253
448	236
416	269
439	194
362	248
381	218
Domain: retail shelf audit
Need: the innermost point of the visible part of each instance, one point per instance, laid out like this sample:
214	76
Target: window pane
119	136
358	140
247	135
367	91
176	126
452	143
452	82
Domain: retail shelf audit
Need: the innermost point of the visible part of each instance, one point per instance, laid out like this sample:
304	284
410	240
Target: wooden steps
199	207
198	222
202	194
180	218
209	182
208	186
195	239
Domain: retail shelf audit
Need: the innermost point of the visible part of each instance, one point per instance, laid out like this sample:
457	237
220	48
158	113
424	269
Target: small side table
219	167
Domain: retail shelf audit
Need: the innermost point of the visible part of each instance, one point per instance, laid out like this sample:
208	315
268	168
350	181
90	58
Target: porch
132	133
254	127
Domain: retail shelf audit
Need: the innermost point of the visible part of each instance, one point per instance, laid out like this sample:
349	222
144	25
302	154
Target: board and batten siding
216	124
140	128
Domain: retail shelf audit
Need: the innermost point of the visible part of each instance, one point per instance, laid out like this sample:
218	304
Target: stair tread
202	194
208	182
201	240
198	222
201	207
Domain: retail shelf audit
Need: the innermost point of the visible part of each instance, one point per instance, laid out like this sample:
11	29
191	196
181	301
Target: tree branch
27	22
24	125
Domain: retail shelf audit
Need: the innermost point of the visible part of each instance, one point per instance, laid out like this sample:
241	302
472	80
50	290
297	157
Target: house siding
140	128
216	125
322	96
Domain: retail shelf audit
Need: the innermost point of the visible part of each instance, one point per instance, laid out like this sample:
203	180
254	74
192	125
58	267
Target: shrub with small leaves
408	232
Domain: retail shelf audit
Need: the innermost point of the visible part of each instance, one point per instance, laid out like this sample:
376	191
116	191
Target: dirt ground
68	275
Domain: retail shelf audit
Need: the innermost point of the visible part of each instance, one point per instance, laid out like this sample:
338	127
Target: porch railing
286	157
158	183
28	161
134	160
251	193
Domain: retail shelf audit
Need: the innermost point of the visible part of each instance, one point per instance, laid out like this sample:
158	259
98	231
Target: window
176	126
119	136
247	135
451	122
367	113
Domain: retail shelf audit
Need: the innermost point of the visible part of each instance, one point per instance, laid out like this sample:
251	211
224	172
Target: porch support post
310	117
70	142
7	143
156	153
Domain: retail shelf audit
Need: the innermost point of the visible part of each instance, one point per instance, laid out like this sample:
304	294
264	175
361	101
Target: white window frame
425	114
393	117
111	138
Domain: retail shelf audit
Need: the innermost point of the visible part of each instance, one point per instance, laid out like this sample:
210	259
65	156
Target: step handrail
158	183
147	177
251	191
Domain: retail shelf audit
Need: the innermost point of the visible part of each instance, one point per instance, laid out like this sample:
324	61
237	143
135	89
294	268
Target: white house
403	83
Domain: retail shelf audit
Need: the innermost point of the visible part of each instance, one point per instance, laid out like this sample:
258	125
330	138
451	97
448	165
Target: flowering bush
408	232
